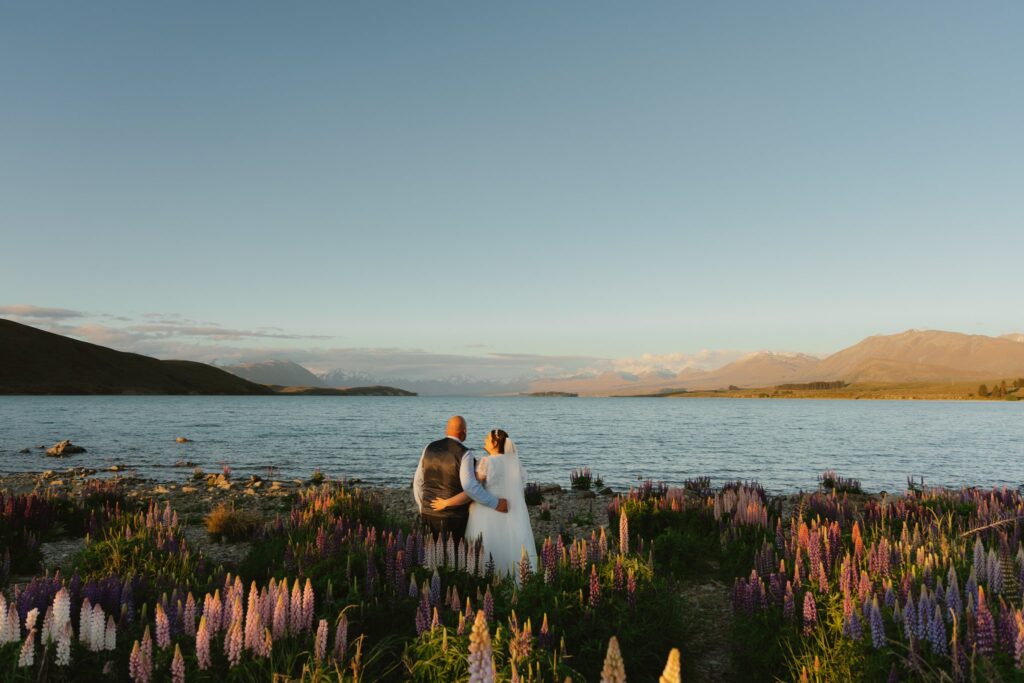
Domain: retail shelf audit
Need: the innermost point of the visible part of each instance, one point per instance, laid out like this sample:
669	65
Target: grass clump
232	524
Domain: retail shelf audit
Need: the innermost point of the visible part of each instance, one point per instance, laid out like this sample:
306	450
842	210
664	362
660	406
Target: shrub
533	494
231	523
830	480
317	478
581	479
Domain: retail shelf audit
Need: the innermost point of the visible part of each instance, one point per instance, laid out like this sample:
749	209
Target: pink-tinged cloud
39	312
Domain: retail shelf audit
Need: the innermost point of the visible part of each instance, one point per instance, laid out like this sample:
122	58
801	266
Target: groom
447	468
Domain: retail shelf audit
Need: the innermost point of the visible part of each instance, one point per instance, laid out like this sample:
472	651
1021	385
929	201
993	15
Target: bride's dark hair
499	436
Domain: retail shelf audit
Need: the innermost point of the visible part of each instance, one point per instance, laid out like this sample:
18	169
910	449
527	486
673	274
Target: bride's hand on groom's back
502	505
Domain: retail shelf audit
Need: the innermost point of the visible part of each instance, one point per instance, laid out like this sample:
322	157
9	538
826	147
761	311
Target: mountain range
911	356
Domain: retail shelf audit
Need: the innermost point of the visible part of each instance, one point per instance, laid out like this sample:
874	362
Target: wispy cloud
39	312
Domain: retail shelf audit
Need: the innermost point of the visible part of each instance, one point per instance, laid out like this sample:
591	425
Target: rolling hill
33	361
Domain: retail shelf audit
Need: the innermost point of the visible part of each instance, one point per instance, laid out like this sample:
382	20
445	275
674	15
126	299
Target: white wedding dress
505	534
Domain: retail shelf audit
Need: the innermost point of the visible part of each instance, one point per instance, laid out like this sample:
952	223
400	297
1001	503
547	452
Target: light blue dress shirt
467	477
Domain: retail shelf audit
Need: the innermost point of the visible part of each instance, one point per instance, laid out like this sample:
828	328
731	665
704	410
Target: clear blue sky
591	178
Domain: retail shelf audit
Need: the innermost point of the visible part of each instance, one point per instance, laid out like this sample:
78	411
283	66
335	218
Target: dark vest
441	463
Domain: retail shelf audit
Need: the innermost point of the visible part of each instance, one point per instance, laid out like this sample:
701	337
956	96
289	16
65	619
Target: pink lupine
163	628
203	644
147	652
295	609
139	666
810	613
341	638
308	602
189	616
178	666
27	655
320	644
280	624
85	623
233	644
595	587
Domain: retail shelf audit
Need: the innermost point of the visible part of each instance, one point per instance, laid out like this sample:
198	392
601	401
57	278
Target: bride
504	535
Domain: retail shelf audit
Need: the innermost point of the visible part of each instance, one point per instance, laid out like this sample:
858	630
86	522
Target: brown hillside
33	361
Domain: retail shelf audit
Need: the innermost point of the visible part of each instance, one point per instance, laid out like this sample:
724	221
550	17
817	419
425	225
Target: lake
783	444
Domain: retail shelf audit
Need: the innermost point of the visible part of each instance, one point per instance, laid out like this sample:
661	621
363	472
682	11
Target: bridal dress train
504	535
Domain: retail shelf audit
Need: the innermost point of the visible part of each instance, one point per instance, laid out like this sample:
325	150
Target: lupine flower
488	605
937	633
27	655
623	532
110	637
178	666
525	567
810	613
877	626
544	637
413	589
280	624
163	628
295	609
789	603
341	638
614	670
138	667
435	588
481	658
203	644
233	644
1018	644
671	672
595	587
320	643
985	628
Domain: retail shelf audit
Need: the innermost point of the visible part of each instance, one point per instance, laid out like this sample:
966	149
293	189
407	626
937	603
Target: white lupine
31	618
47	634
85	623
110	638
27	656
99	637
61	612
471	559
461	563
63	657
11	627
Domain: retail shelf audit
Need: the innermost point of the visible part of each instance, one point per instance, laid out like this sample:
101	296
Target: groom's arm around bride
446	469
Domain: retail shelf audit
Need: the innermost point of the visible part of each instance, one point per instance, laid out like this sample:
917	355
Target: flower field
833	586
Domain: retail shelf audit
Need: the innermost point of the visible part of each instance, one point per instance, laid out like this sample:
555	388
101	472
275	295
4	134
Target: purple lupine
910	618
980	564
985	627
953	600
435	588
937	633
877	626
631	588
595	587
789	603
423	614
489	605
924	614
810	613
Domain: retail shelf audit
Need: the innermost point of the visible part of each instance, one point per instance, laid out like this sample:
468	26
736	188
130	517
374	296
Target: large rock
63	449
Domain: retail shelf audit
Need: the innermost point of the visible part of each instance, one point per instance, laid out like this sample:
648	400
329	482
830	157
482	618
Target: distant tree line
1000	390
816	386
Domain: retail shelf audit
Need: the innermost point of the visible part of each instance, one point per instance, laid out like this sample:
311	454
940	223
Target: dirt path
710	653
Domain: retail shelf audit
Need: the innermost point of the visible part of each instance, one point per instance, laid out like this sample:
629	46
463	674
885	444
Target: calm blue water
783	444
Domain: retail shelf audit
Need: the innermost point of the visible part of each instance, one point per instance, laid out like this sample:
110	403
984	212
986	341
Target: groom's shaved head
456	427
